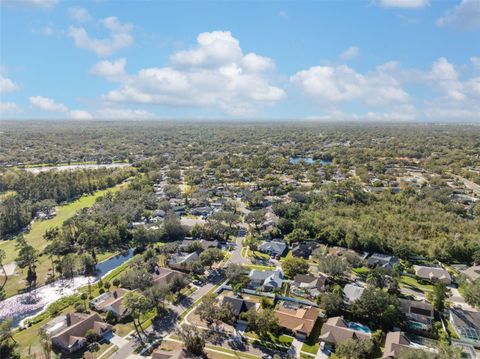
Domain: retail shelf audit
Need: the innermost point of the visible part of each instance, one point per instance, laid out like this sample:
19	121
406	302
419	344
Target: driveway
236	256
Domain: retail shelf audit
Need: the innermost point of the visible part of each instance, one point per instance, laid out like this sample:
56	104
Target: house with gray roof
183	262
274	247
266	280
433	274
352	293
382	260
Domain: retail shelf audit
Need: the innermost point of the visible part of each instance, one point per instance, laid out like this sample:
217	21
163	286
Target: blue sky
384	60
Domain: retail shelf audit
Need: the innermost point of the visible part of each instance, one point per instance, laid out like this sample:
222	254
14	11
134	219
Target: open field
35	238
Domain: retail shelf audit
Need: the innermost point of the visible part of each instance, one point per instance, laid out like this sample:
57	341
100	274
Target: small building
467	325
382	260
163	276
308	285
111	301
299	320
183	262
165	354
238	305
352	293
396	342
472	273
68	332
274	247
433	274
420	315
335	330
303	249
266	280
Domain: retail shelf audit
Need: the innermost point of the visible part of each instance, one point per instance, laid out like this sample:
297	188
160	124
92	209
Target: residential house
303	249
111	301
396	342
433	274
472	273
266	280
167	354
382	260
335	330
420	315
274	247
352	292
308	285
68	332
183	262
201	211
466	324
204	243
162	276
299	320
238	305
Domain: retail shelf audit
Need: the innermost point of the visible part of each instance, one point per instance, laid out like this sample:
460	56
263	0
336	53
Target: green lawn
35	238
255	266
312	344
361	270
407	281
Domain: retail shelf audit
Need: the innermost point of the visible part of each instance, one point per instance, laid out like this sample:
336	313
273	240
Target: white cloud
214	75
39	4
214	48
475	62
7	85
326	84
464	16
110	70
47	104
120	37
124	114
79	14
406	4
350	53
8	108
80	115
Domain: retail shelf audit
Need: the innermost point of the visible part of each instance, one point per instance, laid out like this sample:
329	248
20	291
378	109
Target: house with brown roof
307	285
299	320
69	332
433	274
111	301
396	342
335	330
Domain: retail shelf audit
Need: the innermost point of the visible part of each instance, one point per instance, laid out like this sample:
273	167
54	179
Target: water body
75	167
27	305
308	161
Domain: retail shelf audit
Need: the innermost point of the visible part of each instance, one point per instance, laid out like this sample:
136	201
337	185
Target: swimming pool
359	327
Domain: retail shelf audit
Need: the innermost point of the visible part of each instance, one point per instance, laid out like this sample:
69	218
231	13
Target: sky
376	60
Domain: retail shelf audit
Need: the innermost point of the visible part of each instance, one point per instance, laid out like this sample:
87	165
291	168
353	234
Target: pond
26	305
308	161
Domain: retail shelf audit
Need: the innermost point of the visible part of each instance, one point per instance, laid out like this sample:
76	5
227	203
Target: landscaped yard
35	238
406	281
312	344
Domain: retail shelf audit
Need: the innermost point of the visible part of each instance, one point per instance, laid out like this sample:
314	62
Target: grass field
35	238
407	281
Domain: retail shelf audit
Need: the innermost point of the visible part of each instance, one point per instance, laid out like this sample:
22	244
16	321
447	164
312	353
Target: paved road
236	256
167	324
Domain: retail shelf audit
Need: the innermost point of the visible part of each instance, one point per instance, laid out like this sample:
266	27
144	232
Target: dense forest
28	193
